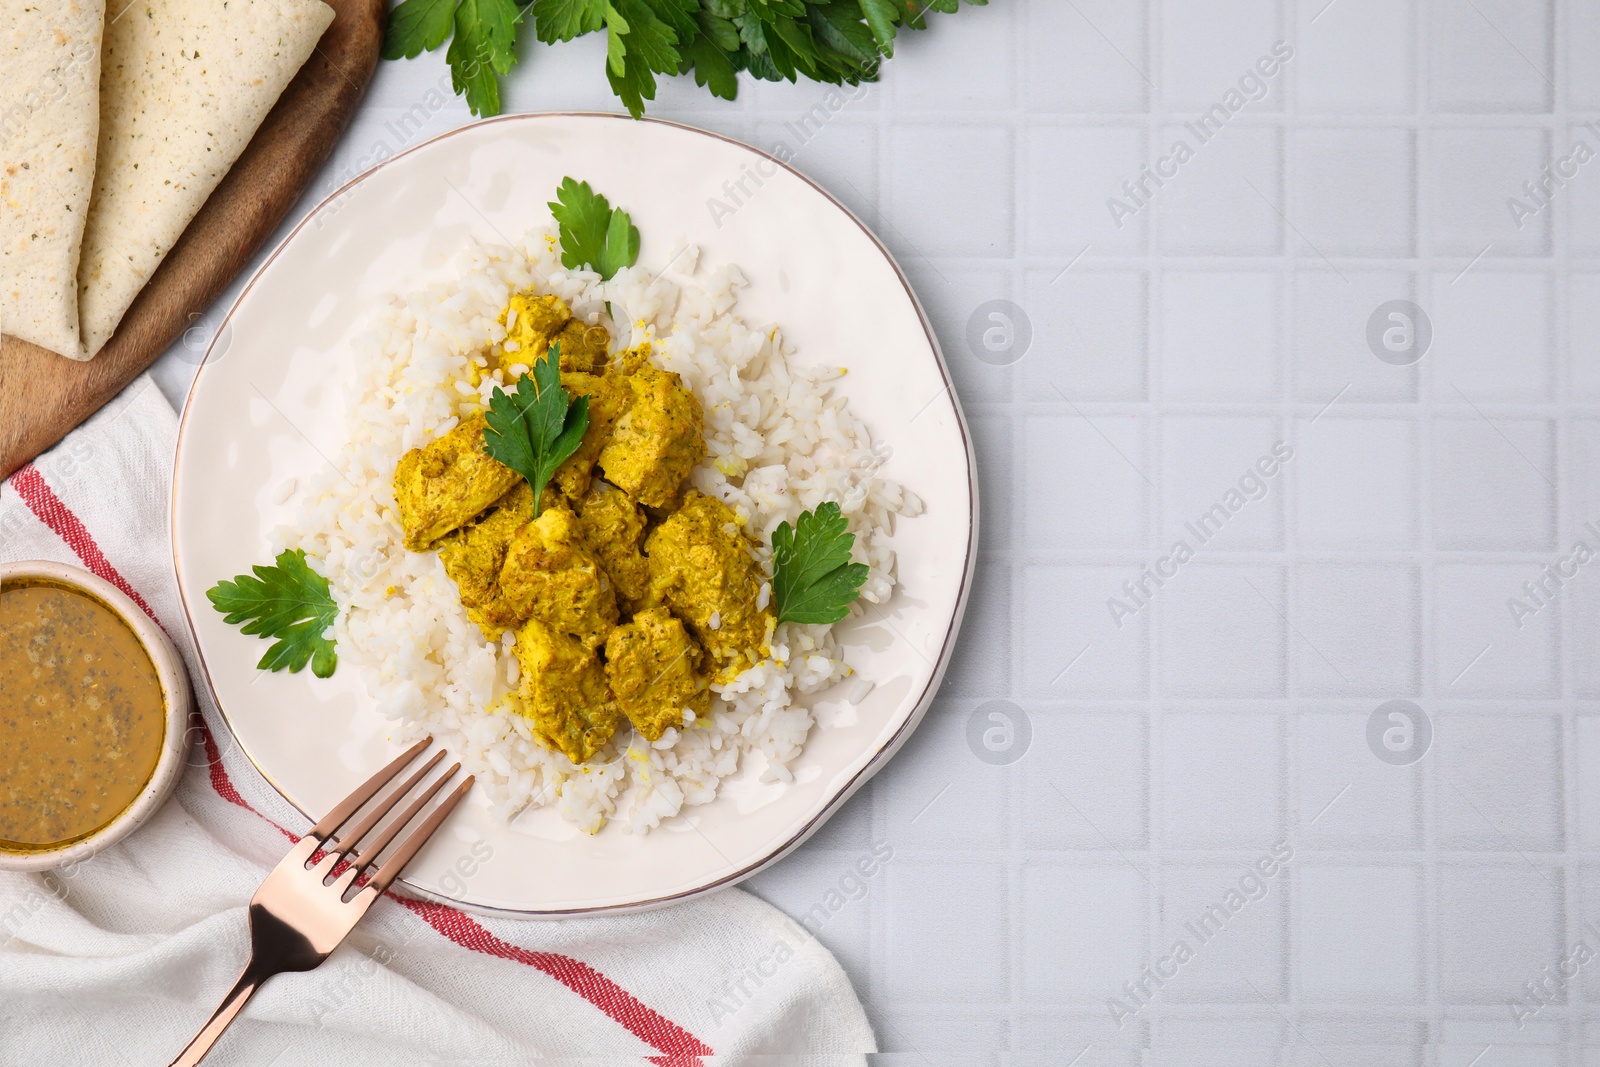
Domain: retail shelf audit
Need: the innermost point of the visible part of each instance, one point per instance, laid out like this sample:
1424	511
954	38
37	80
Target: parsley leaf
535	431
718	33
841	30
562	20
288	601
418	26
881	16
593	233
484	48
813	579
622	244
616	47
630	78
472	75
641	42
709	61
649	37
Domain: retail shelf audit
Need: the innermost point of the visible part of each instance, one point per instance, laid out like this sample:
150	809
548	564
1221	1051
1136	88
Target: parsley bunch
833	41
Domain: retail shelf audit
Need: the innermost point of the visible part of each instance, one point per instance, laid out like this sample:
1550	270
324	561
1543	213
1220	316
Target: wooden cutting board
43	395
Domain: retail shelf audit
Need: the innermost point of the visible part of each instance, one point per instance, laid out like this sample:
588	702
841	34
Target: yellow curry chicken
629	594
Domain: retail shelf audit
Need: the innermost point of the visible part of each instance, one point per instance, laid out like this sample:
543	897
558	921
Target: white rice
779	442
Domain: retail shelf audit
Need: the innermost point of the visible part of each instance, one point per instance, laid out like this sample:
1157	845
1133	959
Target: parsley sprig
593	233
833	41
535	431
287	602
813	579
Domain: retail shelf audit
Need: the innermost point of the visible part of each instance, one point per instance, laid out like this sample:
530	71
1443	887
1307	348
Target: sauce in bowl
83	716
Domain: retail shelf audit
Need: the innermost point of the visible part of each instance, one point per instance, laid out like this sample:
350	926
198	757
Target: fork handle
245	988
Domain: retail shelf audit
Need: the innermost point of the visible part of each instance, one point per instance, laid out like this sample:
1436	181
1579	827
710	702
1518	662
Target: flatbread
183	86
49	115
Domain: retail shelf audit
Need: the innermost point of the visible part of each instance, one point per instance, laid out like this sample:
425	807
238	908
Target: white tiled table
1230	714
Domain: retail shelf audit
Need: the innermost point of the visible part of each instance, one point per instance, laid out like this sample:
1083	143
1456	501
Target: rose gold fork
298	917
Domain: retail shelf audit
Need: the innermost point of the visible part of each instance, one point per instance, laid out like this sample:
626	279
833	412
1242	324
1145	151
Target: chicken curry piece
654	669
702	567
549	575
628	595
613	528
448	484
534	322
658	439
609	397
564	691
474	555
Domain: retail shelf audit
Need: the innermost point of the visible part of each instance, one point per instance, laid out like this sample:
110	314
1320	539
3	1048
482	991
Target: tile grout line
1289	526
1562	458
1016	872
1425	783
1154	94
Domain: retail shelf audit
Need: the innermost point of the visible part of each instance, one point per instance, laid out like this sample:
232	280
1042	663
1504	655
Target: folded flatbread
183	86
49	115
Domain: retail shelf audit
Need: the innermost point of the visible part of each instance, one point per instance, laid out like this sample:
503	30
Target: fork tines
342	847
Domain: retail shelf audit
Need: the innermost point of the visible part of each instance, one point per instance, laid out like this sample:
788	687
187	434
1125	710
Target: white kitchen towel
117	961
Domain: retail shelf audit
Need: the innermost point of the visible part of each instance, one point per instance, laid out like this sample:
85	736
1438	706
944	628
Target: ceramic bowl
175	692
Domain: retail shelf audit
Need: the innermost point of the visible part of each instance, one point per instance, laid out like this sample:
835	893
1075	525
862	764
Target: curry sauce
82	715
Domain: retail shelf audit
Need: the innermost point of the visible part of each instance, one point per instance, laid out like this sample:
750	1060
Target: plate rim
885	751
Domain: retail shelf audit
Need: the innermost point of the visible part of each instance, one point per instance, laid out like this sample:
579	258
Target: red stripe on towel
42	500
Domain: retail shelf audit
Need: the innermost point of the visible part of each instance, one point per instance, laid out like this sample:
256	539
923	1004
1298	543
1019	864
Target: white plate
266	407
